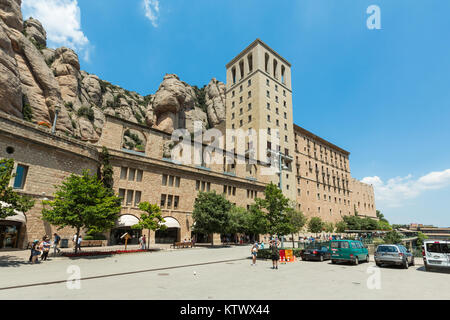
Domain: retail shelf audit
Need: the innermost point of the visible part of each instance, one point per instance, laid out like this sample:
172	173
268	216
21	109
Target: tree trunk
148	246
293	243
76	240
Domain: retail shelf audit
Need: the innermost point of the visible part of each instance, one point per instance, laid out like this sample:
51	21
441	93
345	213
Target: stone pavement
214	273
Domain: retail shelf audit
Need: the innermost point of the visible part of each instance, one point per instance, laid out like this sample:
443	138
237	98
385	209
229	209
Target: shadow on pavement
12	261
435	270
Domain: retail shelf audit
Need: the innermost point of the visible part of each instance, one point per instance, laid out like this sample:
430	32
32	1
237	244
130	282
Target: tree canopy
211	213
315	225
14	200
276	207
151	219
82	202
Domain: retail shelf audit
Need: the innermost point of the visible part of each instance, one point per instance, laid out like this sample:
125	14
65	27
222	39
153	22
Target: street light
281	167
57	110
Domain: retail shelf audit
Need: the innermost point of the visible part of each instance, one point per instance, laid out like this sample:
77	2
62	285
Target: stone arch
171	234
134	140
250	62
275	68
241	69
251	170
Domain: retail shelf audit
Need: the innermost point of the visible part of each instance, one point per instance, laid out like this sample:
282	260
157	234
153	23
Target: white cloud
152	11
61	19
395	191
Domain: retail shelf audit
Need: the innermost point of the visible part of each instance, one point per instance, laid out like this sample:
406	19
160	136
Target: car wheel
378	264
427	268
333	261
367	258
413	262
321	258
406	264
356	262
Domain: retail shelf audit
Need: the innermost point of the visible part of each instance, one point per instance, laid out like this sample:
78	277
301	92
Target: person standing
140	242
45	246
254	252
275	254
144	242
80	238
56	241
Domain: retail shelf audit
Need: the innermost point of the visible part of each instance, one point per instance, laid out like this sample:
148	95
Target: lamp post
281	156
57	110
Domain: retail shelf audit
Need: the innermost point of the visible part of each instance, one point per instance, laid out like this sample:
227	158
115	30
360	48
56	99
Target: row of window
230	190
171	181
167	200
128	196
131	173
249	59
251	194
202	186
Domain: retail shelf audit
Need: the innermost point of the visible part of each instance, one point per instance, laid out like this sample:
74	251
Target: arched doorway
171	234
123	224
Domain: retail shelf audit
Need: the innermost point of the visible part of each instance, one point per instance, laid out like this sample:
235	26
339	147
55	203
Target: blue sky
383	95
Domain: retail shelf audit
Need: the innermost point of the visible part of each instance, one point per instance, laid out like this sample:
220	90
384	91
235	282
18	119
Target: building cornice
315	137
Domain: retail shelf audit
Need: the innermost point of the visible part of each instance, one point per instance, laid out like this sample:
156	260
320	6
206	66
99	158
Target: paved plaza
215	273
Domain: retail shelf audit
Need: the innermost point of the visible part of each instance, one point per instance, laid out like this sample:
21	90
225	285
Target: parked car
393	254
436	254
348	250
320	254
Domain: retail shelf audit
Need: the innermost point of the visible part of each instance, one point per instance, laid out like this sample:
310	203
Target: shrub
26	109
86	112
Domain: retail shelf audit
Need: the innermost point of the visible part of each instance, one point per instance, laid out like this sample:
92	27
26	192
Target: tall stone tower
259	97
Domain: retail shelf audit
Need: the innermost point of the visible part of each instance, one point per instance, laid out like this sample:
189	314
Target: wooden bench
91	243
182	245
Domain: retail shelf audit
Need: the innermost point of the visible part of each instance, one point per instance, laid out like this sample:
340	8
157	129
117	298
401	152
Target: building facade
315	175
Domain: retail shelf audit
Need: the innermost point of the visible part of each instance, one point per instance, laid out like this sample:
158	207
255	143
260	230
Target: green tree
106	170
381	217
384	225
353	222
151	220
420	239
315	225
8	195
211	213
82	202
329	227
276	207
341	226
297	221
368	224
393	237
238	222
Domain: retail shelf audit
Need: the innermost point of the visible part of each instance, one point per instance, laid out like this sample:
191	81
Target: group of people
274	255
42	248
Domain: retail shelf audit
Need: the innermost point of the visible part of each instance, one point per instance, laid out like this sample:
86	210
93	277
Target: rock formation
35	81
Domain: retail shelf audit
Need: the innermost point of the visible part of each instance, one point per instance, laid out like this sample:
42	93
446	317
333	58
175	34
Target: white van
436	254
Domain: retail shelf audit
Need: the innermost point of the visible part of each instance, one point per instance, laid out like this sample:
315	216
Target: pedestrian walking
254	252
275	254
56	241
144	242
45	248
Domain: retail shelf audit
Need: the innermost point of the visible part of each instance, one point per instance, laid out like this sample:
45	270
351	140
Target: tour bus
436	254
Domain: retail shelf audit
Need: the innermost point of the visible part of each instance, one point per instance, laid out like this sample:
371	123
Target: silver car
393	254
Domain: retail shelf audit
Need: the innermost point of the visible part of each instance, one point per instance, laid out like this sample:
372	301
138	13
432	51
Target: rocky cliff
35	81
